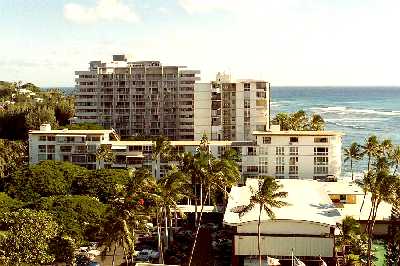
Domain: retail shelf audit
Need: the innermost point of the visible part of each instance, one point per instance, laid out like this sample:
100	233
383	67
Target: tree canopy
299	121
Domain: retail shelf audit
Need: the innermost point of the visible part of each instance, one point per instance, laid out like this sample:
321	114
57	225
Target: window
251	151
266	140
51	149
92	148
321	170
294	139
42	148
320	160
50	156
342	198
280	170
65	148
263	151
280	160
42	157
262	165
247	87
93	138
293	170
294	151
42	138
293	160
51	138
321	140
252	169
246	103
80	149
320	151
280	150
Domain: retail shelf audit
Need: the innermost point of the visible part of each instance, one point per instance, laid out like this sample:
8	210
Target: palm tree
162	150
383	187
386	147
215	175
394	156
371	148
351	239
282	119
352	153
266	197
317	123
128	213
173	187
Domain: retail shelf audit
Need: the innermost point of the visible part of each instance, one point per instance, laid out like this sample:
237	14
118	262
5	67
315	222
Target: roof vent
45	127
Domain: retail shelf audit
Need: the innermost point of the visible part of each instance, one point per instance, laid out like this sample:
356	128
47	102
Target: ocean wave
356	119
345	110
345	125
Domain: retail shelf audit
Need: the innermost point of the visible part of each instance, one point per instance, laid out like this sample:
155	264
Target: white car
147	254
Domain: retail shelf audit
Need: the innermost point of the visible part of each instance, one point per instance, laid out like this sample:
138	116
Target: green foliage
105	184
29	113
8	204
45	179
89	126
79	217
27	236
13	155
105	154
299	121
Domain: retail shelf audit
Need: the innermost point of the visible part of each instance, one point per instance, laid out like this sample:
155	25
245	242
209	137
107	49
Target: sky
287	42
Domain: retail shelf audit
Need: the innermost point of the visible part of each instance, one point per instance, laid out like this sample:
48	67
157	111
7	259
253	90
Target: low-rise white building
305	226
283	154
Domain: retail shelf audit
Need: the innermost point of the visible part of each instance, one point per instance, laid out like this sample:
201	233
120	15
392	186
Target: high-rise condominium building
137	98
237	108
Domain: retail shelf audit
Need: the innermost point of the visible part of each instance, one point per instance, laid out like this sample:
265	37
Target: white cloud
104	10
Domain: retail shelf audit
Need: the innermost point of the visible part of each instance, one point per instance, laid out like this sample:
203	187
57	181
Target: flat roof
299	133
342	188
306	199
173	143
72	131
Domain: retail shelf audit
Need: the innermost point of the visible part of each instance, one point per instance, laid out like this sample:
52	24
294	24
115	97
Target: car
147	255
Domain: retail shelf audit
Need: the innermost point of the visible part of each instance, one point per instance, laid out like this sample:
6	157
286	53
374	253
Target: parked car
147	255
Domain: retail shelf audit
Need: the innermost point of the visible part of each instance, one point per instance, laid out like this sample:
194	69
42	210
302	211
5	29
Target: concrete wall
202	110
285	227
283	245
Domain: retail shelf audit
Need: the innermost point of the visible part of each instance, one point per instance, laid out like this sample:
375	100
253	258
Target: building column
235	258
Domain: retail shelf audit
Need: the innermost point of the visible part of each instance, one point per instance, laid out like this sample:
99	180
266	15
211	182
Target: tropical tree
299	121
371	148
386	147
161	151
317	123
128	213
265	197
351	240
173	188
394	156
353	153
25	238
214	175
13	155
383	187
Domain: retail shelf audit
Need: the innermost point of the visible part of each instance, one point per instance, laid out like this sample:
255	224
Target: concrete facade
273	153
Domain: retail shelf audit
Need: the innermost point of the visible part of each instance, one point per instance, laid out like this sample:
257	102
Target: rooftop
342	187
72	131
306	199
298	133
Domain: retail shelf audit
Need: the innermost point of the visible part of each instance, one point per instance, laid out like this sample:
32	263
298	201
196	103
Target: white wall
282	246
202	110
286	227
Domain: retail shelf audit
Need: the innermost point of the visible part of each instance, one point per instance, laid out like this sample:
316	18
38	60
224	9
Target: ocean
358	112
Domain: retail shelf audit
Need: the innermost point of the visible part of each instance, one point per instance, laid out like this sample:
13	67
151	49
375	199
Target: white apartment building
137	98
284	154
237	108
